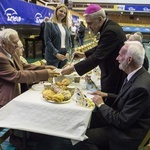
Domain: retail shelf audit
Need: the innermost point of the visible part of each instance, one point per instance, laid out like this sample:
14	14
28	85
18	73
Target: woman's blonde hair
54	18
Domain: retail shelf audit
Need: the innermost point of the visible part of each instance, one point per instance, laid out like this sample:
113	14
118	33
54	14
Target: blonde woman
57	38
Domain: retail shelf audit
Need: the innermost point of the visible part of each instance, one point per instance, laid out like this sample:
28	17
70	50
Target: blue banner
145	8
136	29
75	19
21	12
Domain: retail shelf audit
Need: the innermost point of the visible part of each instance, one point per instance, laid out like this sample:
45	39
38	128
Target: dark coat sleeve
104	55
146	63
101	52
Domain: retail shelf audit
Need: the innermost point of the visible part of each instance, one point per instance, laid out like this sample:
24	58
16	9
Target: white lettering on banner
38	18
12	15
50	15
115	1
131	8
146	9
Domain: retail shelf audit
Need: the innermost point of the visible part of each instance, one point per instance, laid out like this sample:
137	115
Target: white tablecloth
30	112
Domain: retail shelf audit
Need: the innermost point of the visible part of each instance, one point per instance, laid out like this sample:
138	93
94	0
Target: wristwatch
100	105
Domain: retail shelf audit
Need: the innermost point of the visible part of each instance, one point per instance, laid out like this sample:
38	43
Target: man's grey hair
100	13
135	37
136	50
5	35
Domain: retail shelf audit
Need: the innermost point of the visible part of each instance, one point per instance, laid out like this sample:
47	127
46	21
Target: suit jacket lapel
126	87
10	60
12	63
17	62
129	84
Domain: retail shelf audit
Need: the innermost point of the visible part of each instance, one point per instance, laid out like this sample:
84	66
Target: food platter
55	102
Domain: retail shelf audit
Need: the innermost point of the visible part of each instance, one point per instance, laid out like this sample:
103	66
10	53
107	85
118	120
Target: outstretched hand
52	73
67	70
50	67
100	93
78	55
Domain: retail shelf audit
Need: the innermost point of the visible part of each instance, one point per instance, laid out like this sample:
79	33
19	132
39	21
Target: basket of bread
58	92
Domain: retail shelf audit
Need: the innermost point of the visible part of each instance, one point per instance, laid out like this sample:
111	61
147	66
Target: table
33	40
30	112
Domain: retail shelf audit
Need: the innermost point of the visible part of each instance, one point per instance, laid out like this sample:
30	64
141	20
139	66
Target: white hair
136	50
135	37
139	33
97	14
5	35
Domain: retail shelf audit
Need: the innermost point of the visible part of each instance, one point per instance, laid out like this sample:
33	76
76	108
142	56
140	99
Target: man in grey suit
123	125
111	40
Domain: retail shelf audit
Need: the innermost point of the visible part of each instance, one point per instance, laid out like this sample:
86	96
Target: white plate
38	87
51	101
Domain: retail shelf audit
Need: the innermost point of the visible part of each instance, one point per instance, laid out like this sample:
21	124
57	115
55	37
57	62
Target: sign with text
143	8
137	8
21	12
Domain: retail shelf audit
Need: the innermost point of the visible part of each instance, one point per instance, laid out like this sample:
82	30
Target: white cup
71	89
47	85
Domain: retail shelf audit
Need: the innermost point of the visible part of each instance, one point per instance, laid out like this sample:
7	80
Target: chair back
4	134
145	144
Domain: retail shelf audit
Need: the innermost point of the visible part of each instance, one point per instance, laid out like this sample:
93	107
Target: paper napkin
83	100
90	85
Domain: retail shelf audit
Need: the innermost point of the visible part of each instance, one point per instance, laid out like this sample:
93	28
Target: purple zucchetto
92	8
